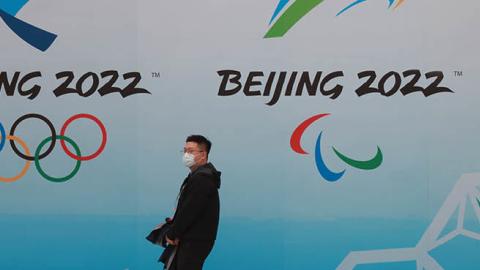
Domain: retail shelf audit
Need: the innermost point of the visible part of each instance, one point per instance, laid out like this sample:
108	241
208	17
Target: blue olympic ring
3	139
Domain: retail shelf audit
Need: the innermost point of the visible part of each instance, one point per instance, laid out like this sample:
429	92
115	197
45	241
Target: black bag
158	237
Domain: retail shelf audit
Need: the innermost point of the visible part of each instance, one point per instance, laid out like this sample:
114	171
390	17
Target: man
195	223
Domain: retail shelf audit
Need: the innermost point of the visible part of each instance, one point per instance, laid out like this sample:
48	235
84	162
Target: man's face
194	149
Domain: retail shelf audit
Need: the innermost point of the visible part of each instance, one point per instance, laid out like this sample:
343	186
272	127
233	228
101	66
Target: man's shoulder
206	175
200	177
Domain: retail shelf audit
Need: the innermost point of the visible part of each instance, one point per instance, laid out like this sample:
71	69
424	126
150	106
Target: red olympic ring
102	128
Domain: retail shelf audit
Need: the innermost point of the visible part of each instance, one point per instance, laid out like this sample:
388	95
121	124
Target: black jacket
198	208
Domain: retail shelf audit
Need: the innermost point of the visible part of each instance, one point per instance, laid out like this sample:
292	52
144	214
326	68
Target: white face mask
188	160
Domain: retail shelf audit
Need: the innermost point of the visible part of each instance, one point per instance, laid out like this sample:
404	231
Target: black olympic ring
50	126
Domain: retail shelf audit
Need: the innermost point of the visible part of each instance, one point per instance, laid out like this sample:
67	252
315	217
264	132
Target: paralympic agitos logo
33	35
324	171
51	140
298	9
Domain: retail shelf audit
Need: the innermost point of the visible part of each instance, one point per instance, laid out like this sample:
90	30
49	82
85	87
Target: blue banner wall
346	131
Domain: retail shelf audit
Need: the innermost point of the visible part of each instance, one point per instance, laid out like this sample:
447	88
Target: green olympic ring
43	173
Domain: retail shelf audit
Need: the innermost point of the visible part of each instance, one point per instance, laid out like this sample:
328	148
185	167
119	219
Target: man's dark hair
201	140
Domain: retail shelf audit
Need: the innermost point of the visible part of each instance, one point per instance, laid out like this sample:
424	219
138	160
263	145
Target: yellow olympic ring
27	164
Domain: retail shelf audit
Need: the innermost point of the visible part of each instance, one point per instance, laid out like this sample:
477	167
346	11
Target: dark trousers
191	255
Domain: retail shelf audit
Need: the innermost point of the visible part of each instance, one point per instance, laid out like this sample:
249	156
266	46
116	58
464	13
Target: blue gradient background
117	242
277	212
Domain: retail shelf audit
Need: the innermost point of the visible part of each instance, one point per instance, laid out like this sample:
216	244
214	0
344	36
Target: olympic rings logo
38	155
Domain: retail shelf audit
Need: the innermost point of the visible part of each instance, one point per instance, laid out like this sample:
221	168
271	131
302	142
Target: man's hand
172	242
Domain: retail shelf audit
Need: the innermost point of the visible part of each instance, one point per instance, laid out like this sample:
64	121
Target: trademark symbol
155	74
458	73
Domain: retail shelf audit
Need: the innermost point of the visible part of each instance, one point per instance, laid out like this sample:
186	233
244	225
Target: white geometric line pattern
465	191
